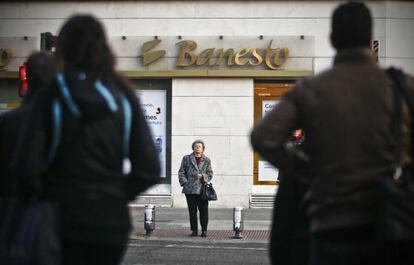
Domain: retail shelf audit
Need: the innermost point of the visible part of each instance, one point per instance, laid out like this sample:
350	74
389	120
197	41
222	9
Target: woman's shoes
194	233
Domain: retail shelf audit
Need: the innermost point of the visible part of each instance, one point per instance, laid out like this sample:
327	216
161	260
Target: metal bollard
149	219
238	222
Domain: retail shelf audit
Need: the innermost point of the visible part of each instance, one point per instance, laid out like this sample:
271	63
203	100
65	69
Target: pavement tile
248	235
173	224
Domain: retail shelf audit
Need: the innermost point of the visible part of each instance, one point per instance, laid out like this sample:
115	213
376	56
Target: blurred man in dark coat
40	69
346	113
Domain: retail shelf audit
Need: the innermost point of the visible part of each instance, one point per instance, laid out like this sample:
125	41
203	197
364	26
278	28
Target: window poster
266	171
154	107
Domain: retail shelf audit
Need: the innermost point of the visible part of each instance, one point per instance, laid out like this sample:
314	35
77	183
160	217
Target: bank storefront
214	88
206	70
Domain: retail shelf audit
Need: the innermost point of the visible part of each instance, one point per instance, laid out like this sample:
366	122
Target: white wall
220	112
400	36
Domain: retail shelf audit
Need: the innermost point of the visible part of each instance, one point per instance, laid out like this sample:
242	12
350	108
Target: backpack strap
67	97
56	130
396	119
126	167
400	88
126	106
104	91
73	108
57	116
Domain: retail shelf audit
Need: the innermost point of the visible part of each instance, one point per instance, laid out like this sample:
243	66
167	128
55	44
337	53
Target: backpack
75	111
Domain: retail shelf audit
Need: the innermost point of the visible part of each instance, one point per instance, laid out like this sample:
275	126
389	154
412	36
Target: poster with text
266	171
154	107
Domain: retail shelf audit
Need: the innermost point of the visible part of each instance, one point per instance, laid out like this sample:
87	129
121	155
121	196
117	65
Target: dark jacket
11	127
189	170
346	114
85	176
10	124
289	241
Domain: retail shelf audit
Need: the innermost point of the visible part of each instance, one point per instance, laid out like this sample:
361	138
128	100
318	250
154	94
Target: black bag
29	233
208	193
396	197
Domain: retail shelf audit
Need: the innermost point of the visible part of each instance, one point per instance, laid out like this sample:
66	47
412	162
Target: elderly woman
194	171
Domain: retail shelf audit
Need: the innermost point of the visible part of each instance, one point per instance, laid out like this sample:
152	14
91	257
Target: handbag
396	193
208	193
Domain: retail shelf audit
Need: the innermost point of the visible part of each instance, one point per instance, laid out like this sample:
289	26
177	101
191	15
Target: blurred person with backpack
40	71
88	147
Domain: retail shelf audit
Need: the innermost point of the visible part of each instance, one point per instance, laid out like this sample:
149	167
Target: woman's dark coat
86	176
189	170
10	124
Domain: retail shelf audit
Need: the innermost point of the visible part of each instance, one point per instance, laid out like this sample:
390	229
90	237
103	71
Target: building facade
207	70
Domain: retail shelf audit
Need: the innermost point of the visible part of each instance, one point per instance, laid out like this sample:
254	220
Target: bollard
238	222
149	219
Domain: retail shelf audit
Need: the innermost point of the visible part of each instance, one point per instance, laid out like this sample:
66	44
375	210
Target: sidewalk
173	224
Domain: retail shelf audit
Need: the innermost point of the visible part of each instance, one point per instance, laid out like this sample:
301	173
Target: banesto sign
273	58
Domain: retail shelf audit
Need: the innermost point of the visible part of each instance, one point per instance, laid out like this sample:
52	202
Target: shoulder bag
396	196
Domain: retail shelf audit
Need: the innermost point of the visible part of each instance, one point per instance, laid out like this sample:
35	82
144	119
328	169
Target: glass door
266	97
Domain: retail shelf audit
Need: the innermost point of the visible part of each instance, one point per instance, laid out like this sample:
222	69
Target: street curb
197	240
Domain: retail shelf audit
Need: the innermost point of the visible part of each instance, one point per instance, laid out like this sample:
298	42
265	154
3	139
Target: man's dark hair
40	70
351	26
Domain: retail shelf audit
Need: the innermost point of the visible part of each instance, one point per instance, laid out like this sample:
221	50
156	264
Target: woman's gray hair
198	142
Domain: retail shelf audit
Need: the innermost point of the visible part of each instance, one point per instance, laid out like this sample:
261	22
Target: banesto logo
150	57
272	58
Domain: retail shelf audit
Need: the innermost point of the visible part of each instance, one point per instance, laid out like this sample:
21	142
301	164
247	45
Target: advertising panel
267	172
154	107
